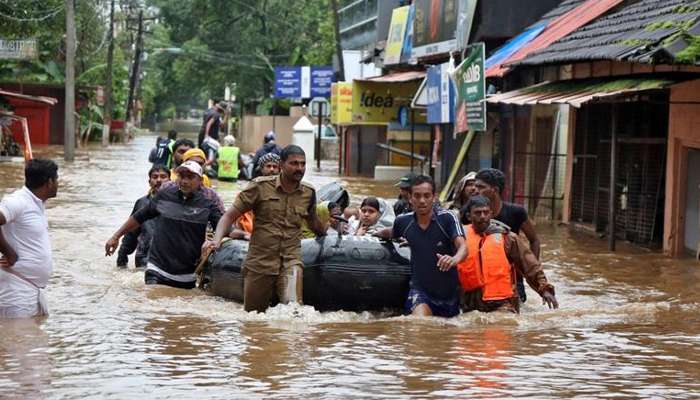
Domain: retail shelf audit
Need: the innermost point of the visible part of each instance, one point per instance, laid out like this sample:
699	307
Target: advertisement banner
469	78
440	95
397	32
378	103
434	25
341	103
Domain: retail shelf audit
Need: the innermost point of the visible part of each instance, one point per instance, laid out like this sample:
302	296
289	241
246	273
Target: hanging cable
33	19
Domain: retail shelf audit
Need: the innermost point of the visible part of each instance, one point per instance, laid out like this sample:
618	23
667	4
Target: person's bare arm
385	233
208	127
113	242
223	228
445	262
531	236
519	253
9	256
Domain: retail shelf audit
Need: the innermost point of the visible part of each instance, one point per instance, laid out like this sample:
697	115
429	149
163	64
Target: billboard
434	25
294	82
341	103
397	32
378	103
440	95
470	81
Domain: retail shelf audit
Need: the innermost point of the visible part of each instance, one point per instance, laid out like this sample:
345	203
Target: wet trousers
261	290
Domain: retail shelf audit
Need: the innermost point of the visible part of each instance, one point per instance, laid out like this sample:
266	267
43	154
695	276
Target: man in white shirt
25	265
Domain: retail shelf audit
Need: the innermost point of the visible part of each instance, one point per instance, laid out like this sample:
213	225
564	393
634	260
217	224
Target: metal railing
391	149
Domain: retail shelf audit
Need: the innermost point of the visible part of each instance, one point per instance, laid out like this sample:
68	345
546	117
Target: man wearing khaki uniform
280	204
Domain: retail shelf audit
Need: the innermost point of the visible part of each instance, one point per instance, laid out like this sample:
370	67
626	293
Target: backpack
162	152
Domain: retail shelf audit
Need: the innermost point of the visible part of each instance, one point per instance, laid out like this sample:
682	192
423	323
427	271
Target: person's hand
339	218
361	231
9	259
446	262
209	245
111	245
550	300
403	242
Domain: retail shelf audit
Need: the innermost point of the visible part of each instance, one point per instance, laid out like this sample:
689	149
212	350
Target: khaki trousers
260	290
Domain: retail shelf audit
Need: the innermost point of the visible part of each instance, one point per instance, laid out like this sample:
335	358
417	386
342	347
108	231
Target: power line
33	19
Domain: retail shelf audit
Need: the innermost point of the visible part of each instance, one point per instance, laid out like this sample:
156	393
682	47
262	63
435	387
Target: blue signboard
288	82
440	95
321	79
303	82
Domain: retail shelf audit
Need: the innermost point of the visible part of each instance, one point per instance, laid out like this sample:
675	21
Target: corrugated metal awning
557	29
396	77
41	99
577	93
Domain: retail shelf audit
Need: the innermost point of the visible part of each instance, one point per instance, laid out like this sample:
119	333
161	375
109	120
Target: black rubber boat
351	273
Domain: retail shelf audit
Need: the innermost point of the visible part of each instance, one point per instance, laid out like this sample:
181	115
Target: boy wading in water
437	245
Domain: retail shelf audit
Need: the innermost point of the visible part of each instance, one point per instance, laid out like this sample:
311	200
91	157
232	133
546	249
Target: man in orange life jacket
487	275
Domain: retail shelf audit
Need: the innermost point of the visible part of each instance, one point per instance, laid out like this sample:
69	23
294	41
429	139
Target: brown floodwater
628	326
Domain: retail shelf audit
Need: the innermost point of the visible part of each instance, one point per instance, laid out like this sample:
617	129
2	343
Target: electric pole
108	81
135	68
69	125
338	47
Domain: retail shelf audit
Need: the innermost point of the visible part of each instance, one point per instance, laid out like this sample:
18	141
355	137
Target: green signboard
469	78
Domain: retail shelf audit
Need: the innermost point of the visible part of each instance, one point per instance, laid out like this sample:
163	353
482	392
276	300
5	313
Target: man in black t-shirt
437	243
490	183
211	122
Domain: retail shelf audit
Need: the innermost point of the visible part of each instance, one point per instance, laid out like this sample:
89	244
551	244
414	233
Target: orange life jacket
487	266
245	222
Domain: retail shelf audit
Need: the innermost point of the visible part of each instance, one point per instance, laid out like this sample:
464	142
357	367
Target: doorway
692	202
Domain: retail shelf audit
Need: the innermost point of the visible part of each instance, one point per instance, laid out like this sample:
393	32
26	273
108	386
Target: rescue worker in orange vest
487	275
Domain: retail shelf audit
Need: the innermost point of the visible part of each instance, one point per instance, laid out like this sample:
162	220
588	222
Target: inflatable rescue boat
351	273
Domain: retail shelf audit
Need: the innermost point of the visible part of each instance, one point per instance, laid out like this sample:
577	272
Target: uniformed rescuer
280	204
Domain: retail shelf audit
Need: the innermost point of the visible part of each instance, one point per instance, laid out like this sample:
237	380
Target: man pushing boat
280	203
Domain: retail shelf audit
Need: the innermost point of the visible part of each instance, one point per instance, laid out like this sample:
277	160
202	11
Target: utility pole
135	68
338	47
108	81
69	125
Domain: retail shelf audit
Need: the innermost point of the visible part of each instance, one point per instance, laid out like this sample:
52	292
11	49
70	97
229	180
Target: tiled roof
642	31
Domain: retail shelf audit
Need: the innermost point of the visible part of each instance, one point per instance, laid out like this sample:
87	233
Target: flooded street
628	326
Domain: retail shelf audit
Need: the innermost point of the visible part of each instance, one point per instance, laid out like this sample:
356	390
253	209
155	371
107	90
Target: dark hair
172	134
421	179
183	142
158	167
332	205
291	150
370	201
475	201
38	171
492	177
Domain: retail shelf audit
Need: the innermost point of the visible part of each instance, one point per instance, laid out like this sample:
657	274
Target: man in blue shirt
437	243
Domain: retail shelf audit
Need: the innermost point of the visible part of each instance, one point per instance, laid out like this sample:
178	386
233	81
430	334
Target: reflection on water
629	324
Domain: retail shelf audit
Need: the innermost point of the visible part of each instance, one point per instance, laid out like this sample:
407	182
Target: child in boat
375	214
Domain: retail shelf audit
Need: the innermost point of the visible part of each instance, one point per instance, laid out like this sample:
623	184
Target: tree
201	45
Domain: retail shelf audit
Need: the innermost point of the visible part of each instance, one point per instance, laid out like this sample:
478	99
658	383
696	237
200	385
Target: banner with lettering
469	78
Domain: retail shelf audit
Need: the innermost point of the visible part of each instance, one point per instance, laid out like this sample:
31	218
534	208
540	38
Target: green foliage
234	42
691	54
